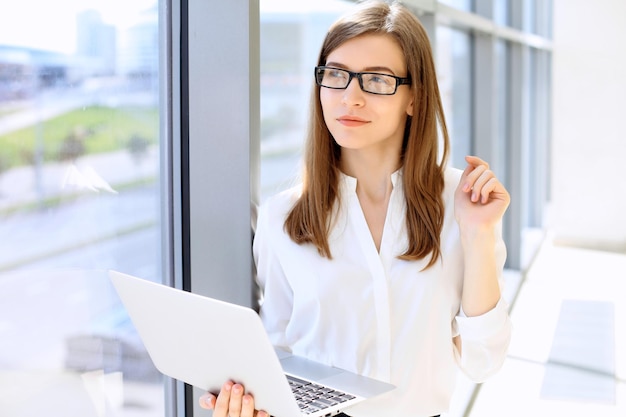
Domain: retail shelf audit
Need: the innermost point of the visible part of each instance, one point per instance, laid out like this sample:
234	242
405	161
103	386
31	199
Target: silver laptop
205	342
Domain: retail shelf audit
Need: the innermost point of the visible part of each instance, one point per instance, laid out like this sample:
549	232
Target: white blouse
372	313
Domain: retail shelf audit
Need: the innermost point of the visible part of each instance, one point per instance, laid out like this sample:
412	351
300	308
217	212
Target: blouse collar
348	183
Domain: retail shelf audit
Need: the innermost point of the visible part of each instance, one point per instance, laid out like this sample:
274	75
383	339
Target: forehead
368	51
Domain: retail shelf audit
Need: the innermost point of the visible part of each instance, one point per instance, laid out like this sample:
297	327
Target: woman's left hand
480	199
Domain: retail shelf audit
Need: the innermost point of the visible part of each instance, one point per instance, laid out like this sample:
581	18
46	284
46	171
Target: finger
488	189
247	406
475	161
207	401
479	184
465	182
472	178
223	400
496	191
236	399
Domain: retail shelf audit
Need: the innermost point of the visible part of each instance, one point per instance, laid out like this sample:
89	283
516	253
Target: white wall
589	123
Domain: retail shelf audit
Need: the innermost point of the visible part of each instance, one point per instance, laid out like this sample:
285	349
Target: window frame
220	154
214	176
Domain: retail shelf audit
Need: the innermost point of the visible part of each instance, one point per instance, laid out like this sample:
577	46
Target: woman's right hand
232	401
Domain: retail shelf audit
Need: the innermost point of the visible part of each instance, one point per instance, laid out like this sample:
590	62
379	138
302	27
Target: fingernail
208	401
466	187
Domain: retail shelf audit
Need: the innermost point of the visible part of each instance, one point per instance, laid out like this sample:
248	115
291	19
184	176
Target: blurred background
90	129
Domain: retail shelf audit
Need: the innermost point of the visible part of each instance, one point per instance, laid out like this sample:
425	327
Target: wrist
477	234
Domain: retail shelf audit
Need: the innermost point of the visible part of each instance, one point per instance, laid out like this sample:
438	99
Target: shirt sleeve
276	294
484	342
485	339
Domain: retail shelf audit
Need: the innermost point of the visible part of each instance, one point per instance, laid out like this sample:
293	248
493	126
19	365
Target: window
454	72
503	117
291	36
501	12
465	5
82	179
80	193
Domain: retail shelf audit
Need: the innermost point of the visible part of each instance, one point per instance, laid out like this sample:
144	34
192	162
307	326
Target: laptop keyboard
312	397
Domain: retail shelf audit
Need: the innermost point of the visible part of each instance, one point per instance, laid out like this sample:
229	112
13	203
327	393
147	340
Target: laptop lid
205	342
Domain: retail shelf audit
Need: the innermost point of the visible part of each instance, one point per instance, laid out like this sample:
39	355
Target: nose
353	95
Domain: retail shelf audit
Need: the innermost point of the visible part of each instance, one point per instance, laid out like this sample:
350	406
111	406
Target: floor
568	352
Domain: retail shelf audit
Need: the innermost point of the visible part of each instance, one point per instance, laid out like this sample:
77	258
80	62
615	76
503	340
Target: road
53	283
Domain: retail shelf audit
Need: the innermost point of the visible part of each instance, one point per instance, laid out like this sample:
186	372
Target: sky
51	25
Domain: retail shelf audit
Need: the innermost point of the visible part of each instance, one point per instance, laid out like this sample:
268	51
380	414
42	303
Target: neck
373	173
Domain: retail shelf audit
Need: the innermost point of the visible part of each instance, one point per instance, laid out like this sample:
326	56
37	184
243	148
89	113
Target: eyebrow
367	69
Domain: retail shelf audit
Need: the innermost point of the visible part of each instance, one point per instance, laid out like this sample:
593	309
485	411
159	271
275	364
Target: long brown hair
310	218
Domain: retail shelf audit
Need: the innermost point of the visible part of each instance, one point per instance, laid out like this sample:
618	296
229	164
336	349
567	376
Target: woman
384	261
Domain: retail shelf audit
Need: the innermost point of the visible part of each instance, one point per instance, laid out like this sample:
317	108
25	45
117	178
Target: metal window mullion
223	150
537	17
533	175
517	157
223	146
514	35
450	16
170	170
541	138
516	14
481	23
548	127
425	6
485	101
484	8
430	25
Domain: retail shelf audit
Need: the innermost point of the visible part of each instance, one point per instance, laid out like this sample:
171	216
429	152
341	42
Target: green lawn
95	129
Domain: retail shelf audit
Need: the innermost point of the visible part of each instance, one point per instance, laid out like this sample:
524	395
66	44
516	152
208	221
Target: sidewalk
568	353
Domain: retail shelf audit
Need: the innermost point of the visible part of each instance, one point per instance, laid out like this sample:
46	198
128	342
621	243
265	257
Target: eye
336	73
380	79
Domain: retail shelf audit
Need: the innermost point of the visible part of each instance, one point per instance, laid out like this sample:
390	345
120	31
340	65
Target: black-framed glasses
370	82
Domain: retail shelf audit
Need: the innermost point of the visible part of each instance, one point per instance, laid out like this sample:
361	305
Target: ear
409	108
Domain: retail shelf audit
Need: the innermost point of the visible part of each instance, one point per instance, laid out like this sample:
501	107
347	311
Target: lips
353	121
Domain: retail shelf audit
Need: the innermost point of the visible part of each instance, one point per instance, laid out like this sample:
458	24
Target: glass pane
291	36
530	18
465	5
501	12
454	72
535	176
503	107
79	194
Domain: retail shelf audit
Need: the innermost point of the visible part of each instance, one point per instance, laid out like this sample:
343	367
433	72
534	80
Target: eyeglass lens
370	82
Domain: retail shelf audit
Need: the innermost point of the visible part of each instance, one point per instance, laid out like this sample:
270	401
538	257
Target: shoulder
269	233
274	210
451	178
452	175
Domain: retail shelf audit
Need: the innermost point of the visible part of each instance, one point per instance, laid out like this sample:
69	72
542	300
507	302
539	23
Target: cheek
325	102
324	99
398	113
